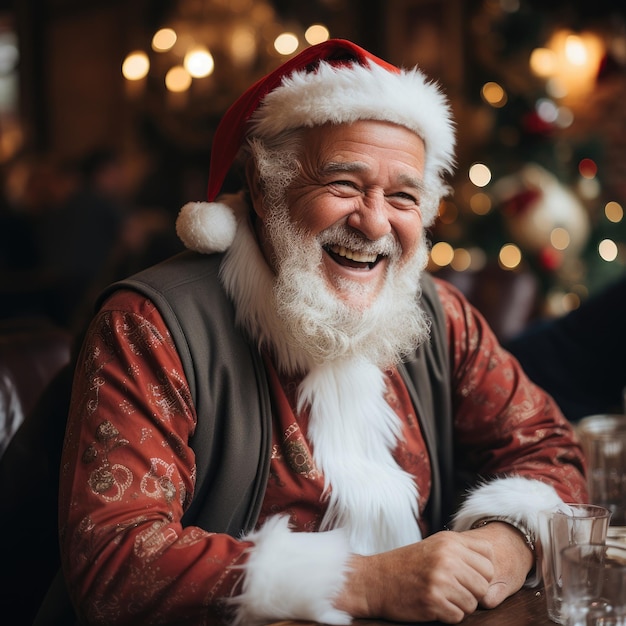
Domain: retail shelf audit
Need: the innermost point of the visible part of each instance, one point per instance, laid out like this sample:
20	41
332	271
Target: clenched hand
444	577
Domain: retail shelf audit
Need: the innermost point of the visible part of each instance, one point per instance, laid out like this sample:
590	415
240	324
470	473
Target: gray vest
229	387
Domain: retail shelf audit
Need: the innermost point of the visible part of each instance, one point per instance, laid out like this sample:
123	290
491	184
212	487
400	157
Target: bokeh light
480	203
177	79
164	39
286	43
493	94
442	253
607	249
199	62
587	168
462	260
547	110
316	33
543	62
614	212
136	66
560	238
510	256
480	174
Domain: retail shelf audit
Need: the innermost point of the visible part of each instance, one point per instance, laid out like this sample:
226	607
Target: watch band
528	536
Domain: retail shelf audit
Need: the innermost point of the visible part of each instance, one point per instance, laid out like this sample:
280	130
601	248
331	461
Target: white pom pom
206	227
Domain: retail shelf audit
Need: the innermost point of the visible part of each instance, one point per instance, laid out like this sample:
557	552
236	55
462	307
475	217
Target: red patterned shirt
128	472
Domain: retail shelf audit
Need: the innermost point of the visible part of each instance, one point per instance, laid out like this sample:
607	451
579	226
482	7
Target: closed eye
403	200
345	187
404	196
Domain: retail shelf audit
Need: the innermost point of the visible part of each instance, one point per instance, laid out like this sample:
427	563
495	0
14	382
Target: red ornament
534	125
522	201
550	259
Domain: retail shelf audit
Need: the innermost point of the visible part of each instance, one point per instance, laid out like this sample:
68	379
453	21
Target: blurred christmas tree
541	184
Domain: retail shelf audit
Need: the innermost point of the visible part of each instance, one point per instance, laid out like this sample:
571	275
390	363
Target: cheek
409	233
317	214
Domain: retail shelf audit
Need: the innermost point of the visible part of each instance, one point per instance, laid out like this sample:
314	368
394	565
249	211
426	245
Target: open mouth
352	258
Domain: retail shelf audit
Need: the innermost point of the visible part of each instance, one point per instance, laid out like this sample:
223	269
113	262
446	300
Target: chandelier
207	52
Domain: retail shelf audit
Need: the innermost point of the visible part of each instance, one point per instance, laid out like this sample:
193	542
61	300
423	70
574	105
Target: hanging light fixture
217	47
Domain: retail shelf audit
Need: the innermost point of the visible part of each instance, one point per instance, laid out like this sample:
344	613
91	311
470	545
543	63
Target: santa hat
332	82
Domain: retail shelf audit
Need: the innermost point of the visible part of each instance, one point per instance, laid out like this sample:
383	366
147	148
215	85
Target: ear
255	188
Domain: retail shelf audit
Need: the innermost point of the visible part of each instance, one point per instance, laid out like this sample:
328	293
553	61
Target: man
275	426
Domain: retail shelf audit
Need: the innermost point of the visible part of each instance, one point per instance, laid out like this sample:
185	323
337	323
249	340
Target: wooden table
526	608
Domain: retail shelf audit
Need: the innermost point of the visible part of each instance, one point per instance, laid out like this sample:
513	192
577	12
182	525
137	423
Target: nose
370	218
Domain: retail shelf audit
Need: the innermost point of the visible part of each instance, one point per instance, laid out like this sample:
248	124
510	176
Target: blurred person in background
579	357
78	239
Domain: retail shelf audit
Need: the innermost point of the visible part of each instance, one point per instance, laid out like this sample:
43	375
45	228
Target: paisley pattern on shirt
128	472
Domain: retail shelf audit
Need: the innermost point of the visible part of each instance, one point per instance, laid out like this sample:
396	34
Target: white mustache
340	236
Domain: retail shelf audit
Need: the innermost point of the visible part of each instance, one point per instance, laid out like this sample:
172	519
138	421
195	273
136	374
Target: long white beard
352	429
322	324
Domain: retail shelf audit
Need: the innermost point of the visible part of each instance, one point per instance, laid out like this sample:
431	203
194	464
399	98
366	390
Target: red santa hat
333	82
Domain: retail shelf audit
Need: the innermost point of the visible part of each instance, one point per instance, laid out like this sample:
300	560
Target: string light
560	238
462	260
493	94
543	62
607	249
480	203
569	62
547	110
199	62
480	174
164	39
234	41
316	33
136	66
575	51
614	212
286	43
177	79
510	256
442	253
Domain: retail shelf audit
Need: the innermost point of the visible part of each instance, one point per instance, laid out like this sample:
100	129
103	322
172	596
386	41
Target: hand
513	559
444	577
441	578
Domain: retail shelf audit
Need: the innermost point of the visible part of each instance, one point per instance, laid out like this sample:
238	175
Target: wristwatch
526	534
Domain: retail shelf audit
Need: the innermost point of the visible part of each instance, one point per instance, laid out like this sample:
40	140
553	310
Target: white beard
352	429
322	324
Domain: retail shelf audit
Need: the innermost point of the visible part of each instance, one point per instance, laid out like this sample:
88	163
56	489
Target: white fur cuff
292	576
516	498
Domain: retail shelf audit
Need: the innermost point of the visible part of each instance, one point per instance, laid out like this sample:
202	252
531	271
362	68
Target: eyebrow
358	166
348	166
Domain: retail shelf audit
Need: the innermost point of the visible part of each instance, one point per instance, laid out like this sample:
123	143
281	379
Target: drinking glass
603	438
570	525
594	585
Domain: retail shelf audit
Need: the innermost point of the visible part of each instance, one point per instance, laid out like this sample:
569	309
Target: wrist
524	531
513	542
355	596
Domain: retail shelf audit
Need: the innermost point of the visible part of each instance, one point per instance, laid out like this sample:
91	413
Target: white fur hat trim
362	92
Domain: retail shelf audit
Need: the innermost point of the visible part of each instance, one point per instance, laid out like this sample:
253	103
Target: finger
449	604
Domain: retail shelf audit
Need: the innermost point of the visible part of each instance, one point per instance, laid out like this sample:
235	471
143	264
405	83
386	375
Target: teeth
354	255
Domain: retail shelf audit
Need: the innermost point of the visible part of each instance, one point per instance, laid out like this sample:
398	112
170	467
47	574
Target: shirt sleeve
505	425
127	475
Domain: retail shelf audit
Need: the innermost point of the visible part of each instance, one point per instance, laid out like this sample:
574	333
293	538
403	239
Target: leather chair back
32	351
